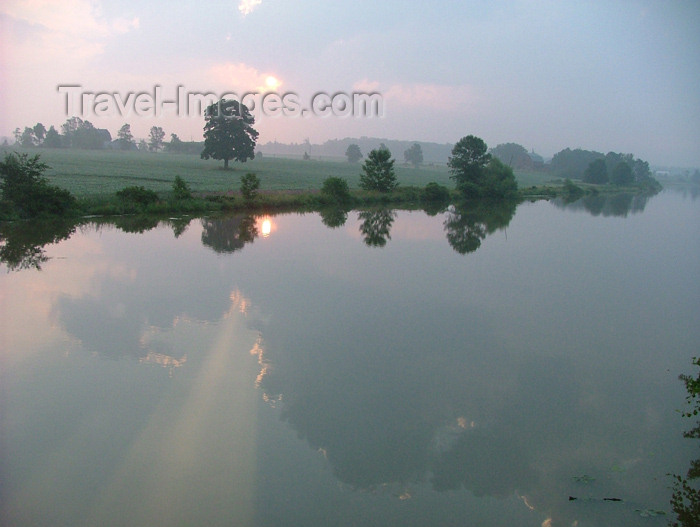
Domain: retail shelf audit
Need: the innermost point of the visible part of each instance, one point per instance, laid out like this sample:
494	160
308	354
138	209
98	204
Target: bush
137	195
27	192
250	183
435	192
181	190
335	189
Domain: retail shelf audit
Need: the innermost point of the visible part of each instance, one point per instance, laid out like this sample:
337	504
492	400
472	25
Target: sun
272	83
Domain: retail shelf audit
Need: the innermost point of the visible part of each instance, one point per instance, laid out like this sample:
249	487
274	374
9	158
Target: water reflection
468	223
398	385
22	243
334	217
619	205
230	234
376	226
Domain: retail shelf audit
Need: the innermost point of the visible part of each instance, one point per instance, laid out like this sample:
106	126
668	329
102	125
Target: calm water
474	367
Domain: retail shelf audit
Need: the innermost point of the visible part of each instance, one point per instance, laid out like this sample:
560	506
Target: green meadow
100	173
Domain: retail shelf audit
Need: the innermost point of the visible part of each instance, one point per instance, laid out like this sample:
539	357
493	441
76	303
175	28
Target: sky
609	75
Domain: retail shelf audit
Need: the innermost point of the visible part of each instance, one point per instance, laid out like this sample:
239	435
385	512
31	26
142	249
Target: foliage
513	155
52	139
27	138
125	138
181	190
353	153
137	195
685	499
596	172
335	189
155	139
27	191
477	173
39	132
333	216
499	181
229	132
572	191
572	163
414	155
378	171
250	183
435	192
376	226
23	242
469	223
467	163
622	174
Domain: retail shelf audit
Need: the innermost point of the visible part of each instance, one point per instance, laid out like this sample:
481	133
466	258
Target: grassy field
96	173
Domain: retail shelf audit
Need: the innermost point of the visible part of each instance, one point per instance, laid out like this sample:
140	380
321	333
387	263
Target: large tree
477	174
467	164
378	171
229	132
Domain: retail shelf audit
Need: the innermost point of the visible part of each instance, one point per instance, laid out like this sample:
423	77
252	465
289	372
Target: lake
479	366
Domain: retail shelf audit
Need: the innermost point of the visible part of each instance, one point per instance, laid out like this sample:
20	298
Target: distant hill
433	153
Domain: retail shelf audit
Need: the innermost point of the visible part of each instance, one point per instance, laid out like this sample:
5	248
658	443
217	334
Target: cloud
247	6
76	18
424	95
240	76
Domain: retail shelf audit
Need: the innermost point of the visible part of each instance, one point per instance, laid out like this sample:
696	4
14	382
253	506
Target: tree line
82	134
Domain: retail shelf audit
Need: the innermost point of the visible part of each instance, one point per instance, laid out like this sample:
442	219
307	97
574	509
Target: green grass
93	173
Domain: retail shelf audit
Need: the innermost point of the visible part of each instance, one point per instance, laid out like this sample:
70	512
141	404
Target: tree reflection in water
230	234
468	223
376	226
22	243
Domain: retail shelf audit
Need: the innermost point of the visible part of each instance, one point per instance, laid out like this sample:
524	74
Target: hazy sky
600	75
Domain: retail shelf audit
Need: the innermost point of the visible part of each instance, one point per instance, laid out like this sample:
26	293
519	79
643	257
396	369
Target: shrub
435	192
335	189
250	183
25	189
181	190
137	195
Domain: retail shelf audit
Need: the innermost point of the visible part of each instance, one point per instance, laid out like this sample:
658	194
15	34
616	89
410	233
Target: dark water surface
474	367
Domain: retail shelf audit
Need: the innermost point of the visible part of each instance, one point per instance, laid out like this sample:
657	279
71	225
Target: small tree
414	155
353	153
250	183
39	132
125	138
181	190
229	132
155	139
378	171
